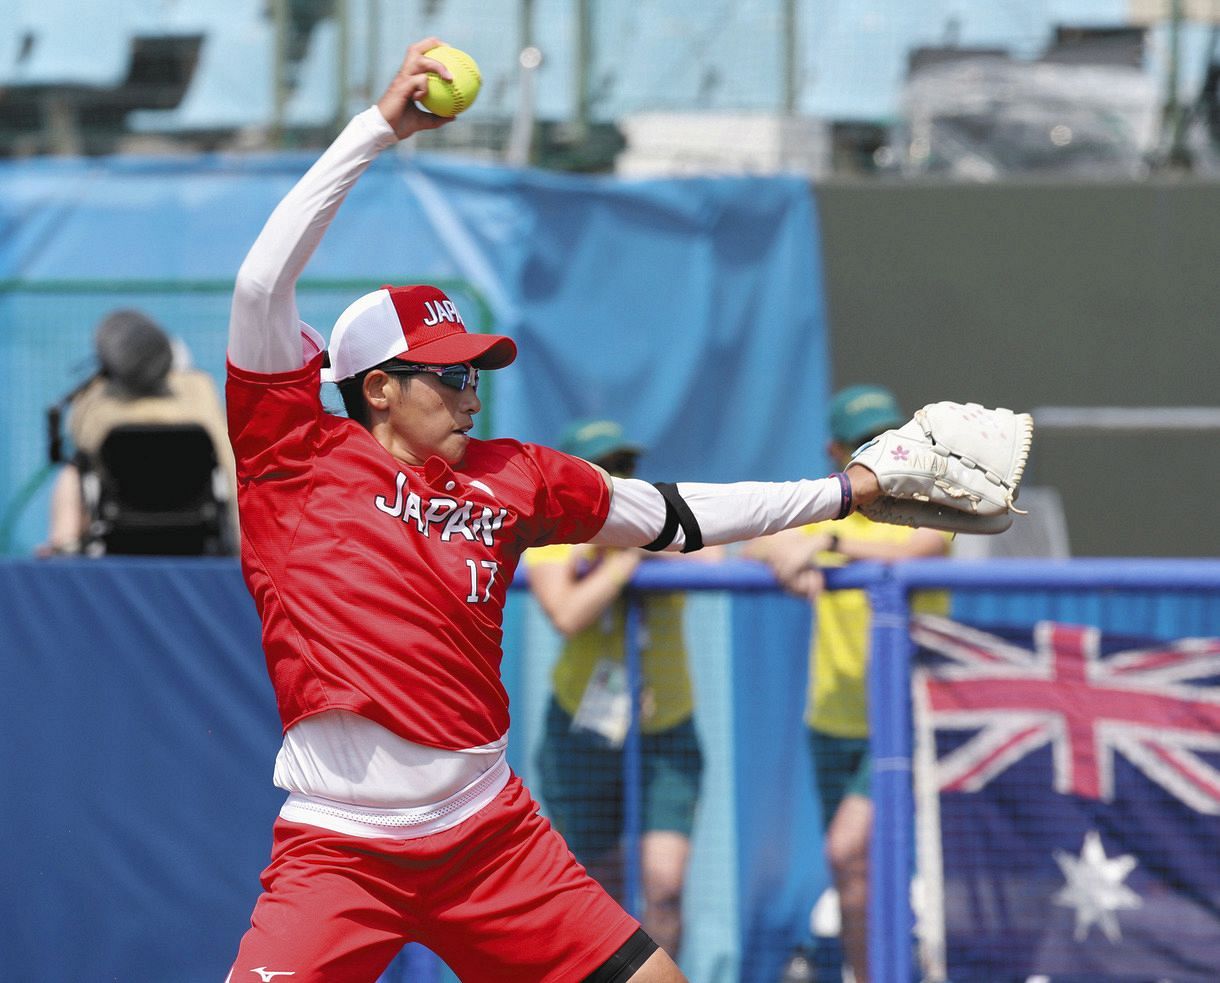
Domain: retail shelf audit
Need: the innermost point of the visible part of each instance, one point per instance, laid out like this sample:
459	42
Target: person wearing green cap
580	588
837	709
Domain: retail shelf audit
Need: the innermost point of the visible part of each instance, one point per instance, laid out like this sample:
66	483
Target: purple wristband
845	489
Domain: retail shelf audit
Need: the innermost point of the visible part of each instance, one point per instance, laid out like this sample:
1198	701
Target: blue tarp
691	310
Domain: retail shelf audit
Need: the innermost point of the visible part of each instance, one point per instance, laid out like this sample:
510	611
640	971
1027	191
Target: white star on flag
1095	887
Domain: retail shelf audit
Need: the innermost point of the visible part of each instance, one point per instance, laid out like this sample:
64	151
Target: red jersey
381	586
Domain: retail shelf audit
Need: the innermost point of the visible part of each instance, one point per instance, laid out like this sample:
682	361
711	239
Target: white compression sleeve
264	328
727	513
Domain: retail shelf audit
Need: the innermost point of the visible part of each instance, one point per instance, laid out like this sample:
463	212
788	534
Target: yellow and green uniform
582	777
837	710
667	699
838	651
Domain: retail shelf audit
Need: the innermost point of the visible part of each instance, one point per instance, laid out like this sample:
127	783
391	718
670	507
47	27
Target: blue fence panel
139	733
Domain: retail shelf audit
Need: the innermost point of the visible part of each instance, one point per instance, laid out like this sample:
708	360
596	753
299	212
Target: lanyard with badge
605	705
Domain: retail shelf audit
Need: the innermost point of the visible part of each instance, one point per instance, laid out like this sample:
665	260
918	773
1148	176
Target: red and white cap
412	324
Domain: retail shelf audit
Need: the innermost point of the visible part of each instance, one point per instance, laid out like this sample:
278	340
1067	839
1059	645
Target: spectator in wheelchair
151	469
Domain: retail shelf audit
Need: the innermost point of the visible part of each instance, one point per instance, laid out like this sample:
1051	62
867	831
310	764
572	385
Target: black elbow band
677	513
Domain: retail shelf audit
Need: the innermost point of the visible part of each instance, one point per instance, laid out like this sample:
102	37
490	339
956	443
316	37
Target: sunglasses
454	376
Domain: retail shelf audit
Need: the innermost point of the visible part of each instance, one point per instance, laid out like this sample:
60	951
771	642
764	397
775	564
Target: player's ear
376	387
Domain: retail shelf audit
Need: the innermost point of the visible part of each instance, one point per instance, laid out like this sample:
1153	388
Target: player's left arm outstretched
954	466
688	516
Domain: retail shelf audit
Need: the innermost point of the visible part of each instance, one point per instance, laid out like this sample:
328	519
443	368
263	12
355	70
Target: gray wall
1026	295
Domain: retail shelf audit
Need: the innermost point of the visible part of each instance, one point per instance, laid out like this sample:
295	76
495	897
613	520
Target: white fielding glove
955	466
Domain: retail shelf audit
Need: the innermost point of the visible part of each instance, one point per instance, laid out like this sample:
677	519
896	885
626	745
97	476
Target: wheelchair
155	490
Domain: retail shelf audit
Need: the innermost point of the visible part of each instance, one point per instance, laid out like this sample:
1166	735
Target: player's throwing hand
410	84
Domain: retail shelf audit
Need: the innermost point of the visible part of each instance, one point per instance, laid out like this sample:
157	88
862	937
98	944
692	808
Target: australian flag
1069	804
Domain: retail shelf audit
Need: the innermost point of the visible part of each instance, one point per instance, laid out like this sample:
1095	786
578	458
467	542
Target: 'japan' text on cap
413	324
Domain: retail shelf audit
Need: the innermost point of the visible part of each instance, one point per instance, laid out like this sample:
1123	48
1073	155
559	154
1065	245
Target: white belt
398	824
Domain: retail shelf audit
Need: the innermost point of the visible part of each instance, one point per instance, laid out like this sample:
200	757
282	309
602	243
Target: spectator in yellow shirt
580	589
837	714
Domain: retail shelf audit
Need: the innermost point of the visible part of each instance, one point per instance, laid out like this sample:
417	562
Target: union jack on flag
1156	706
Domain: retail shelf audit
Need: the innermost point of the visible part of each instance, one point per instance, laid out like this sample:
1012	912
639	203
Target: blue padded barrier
139	731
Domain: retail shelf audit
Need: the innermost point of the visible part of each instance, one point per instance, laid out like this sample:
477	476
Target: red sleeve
273	419
572	500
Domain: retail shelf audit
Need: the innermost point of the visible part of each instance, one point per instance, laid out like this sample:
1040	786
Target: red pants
499	898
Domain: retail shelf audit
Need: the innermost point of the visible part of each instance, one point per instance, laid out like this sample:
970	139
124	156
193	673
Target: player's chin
453	448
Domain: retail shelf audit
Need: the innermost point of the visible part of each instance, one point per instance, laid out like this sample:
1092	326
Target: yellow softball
450	98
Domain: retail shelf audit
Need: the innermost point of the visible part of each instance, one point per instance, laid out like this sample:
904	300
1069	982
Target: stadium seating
661	56
313	99
70	74
232	87
58	43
